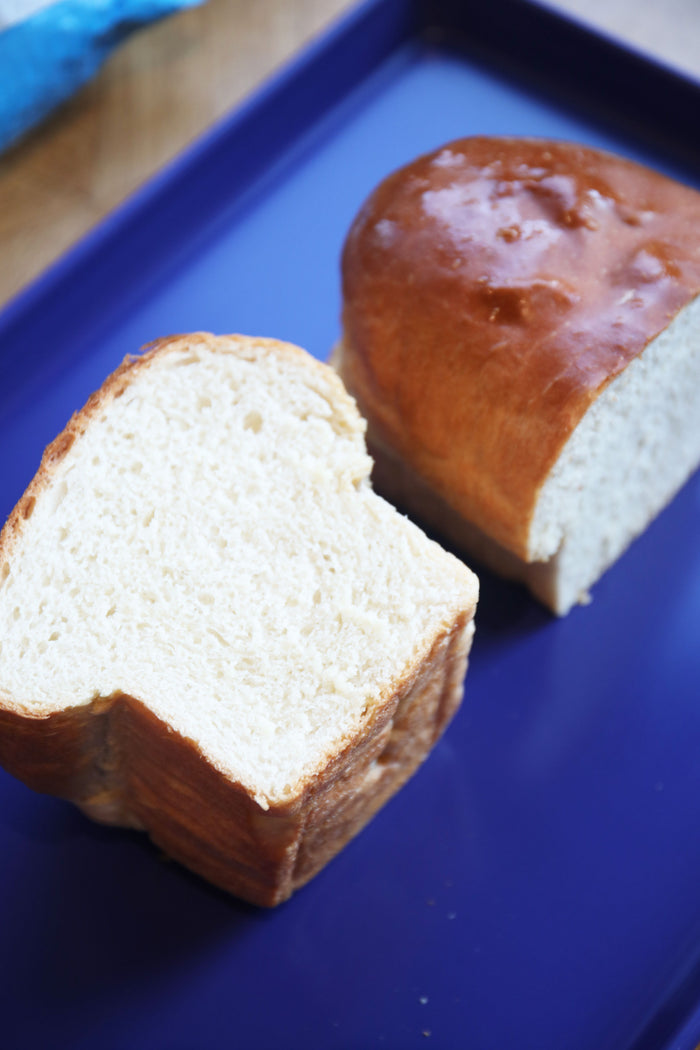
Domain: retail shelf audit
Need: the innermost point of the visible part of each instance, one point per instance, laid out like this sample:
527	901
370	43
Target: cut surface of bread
211	626
522	332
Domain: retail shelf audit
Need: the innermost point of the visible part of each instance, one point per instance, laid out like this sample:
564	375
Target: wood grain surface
170	82
157	93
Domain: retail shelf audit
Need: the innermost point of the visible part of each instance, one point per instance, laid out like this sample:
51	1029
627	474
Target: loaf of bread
211	628
521	329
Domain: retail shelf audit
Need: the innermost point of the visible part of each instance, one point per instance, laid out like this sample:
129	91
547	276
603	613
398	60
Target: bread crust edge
122	765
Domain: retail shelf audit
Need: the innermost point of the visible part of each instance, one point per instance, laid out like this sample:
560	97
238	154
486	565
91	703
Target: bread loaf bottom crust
122	765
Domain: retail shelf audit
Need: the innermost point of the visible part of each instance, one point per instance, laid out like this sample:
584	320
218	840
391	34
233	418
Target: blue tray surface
536	884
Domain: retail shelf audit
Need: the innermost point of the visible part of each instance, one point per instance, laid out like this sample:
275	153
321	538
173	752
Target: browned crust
123	765
491	290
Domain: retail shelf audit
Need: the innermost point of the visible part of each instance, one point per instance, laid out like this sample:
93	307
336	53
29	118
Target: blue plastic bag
48	48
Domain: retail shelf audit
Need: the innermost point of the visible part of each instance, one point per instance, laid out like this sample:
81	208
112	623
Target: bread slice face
522	332
633	450
212	627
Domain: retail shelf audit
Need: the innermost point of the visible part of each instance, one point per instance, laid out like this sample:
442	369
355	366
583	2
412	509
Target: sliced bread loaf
522	332
212	628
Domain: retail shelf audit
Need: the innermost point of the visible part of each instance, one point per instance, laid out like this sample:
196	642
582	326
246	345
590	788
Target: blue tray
537	884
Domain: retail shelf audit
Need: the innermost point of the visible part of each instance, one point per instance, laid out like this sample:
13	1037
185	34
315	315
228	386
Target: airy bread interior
210	544
633	449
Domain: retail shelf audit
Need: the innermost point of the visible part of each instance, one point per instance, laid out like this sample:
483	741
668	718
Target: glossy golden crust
491	291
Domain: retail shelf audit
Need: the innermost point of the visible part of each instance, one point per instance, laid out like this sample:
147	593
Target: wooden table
173	80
